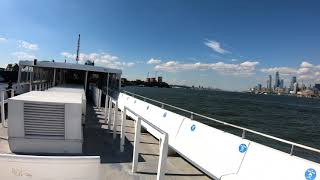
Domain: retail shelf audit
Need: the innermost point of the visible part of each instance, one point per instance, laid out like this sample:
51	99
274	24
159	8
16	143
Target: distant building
269	83
159	79
88	62
277	80
281	85
259	87
148	80
293	80
153	79
295	88
11	67
317	87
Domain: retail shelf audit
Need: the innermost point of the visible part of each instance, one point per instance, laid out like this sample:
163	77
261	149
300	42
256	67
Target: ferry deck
126	137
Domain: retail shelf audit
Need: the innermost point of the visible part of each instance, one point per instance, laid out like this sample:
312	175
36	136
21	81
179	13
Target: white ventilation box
73	89
45	122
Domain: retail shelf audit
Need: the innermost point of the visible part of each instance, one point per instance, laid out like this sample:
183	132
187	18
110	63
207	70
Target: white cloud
281	70
215	45
154	61
130	64
305	64
28	45
245	68
3	39
305	71
102	59
23	56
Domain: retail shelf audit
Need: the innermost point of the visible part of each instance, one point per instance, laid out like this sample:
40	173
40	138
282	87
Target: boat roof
62	65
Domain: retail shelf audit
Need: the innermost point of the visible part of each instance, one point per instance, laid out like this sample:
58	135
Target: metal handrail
145	120
163	138
293	144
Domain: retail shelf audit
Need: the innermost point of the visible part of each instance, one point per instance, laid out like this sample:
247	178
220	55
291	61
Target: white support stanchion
106	109
2	109
136	145
100	95
12	92
36	87
40	87
115	120
163	139
163	156
123	124
109	113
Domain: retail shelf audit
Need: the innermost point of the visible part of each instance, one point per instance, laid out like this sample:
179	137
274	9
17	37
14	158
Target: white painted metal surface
163	143
73	89
37	118
21	167
264	163
220	154
216	152
61	65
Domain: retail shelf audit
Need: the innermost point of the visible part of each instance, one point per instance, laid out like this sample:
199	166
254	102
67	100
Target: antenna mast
78	49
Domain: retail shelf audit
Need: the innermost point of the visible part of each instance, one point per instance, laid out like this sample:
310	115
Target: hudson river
291	118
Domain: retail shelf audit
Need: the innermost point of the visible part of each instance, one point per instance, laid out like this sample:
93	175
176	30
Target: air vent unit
45	122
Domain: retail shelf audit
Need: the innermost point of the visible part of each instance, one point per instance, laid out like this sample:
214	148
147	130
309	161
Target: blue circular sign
310	174
193	127
243	148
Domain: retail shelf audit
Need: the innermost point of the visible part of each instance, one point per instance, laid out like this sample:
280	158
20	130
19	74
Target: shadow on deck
98	140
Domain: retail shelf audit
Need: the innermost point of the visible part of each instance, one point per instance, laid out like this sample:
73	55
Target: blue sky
231	45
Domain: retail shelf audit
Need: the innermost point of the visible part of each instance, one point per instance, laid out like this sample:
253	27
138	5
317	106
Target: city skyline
228	45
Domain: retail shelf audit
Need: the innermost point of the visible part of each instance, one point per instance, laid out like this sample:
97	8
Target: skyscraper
295	88
277	80
269	83
293	80
281	83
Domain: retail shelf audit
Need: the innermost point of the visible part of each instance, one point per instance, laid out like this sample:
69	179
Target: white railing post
40	87
123	124
136	145
243	134
36	87
12	92
106	109
162	157
109	113
115	120
3	117
99	100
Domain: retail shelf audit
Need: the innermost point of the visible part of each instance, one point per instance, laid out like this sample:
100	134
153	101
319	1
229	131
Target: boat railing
163	139
11	92
243	129
3	102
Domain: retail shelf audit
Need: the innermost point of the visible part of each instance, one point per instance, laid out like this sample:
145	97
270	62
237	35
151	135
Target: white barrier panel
121	101
20	167
165	120
264	163
215	152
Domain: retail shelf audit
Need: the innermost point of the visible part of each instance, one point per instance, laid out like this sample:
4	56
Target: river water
291	118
